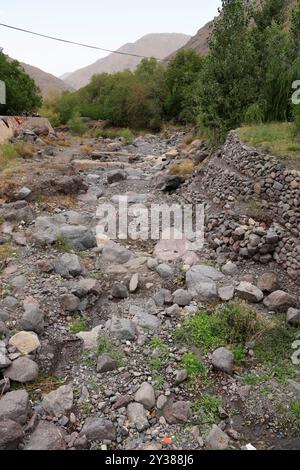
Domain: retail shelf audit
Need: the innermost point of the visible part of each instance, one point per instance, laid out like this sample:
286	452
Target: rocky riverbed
117	344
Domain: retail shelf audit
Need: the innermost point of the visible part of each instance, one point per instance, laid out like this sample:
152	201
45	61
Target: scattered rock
32	319
69	303
11	435
249	292
226	293
25	342
165	271
268	282
146	396
68	265
293	317
217	439
121	328
46	436
178	412
280	301
120	291
182	298
137	416
223	360
106	363
98	429
134	283
230	269
22	370
181	376
15	406
58	402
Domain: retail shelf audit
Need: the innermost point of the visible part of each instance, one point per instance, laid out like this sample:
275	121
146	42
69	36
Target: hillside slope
45	81
151	45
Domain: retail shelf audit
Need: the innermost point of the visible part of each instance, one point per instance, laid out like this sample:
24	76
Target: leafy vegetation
276	138
22	94
193	365
207	409
78	326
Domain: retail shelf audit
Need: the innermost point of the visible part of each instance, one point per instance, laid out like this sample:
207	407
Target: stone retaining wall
241	174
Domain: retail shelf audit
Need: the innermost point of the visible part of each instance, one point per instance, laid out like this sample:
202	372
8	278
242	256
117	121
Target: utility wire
74	43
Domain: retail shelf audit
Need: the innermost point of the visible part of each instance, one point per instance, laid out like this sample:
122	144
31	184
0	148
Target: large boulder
68	265
137	416
201	282
98	429
25	342
280	301
46	436
178	412
121	328
293	317
32	319
15	406
11	435
22	370
146	396
223	360
59	401
249	292
217	439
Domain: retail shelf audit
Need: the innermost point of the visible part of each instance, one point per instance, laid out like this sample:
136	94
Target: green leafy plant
193	365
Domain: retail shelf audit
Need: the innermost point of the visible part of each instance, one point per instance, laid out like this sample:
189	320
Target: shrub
76	125
193	365
7	155
254	114
24	149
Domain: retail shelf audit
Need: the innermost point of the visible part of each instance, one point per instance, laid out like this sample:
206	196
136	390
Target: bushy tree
182	74
22	94
227	84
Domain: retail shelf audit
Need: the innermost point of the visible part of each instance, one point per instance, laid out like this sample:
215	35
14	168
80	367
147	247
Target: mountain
64	76
151	45
45	81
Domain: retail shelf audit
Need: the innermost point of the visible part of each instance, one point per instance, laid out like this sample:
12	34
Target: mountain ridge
159	45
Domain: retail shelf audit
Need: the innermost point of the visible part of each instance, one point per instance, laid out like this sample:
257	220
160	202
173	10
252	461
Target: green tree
182	74
227	84
22	94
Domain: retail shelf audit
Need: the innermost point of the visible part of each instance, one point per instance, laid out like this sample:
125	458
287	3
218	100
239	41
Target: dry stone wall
241	174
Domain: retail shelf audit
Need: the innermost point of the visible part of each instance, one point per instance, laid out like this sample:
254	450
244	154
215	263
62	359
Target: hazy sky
104	23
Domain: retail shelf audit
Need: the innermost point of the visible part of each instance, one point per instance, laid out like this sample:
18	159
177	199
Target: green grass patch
275	138
231	324
63	245
193	365
78	326
126	134
207	409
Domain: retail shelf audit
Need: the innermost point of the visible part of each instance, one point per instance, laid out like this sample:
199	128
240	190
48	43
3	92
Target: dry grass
275	138
7	250
8	155
58	200
24	149
87	149
184	168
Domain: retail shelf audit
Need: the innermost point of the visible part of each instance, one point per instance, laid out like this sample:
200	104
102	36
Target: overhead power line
74	43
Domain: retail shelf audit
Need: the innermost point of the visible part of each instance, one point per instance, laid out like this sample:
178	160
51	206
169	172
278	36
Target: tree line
246	77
